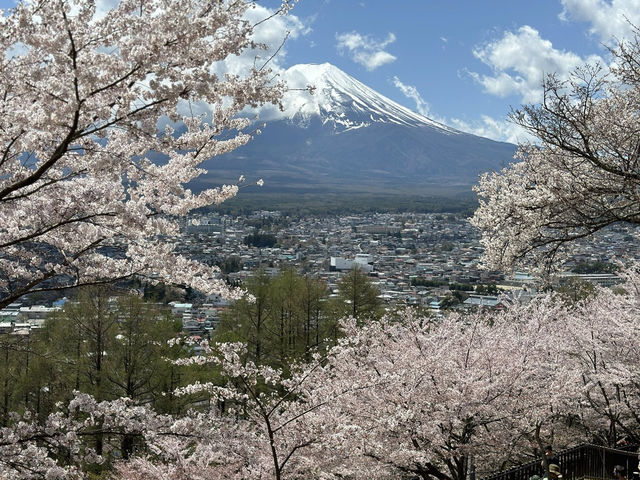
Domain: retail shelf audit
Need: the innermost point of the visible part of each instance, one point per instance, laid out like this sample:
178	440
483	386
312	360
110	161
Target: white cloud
412	93
373	60
16	50
520	60
270	33
501	130
365	50
103	6
609	19
488	127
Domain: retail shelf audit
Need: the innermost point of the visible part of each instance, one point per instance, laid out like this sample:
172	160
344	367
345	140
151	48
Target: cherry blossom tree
57	449
581	173
438	397
406	395
88	104
605	339
286	415
198	445
488	389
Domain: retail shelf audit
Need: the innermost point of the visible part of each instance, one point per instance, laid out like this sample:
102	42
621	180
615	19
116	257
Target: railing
581	462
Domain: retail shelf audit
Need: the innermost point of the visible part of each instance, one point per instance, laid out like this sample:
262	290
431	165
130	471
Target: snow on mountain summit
344	101
348	136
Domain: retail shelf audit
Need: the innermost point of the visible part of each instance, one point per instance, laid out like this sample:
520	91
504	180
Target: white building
363	261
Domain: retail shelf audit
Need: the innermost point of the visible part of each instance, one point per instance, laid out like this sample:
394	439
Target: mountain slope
344	101
346	135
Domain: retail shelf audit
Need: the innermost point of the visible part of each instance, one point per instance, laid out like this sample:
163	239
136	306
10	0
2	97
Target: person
554	471
554	474
552	465
620	472
550	456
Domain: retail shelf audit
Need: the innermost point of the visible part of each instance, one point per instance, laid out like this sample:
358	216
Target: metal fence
581	462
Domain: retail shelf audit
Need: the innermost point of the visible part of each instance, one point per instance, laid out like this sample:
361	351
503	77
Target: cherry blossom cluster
580	175
88	105
407	395
427	397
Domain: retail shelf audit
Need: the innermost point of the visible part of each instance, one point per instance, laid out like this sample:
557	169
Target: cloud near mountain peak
365	50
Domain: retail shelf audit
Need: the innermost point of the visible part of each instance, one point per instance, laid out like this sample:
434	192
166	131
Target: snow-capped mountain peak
346	136
340	99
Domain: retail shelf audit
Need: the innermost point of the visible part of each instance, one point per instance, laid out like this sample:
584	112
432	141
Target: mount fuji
346	136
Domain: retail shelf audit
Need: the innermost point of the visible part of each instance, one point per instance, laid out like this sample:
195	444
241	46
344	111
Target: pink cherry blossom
82	200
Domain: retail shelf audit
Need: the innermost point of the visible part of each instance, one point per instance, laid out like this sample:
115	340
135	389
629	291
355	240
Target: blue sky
460	62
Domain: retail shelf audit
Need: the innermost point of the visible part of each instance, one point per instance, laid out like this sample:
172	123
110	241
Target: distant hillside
334	203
